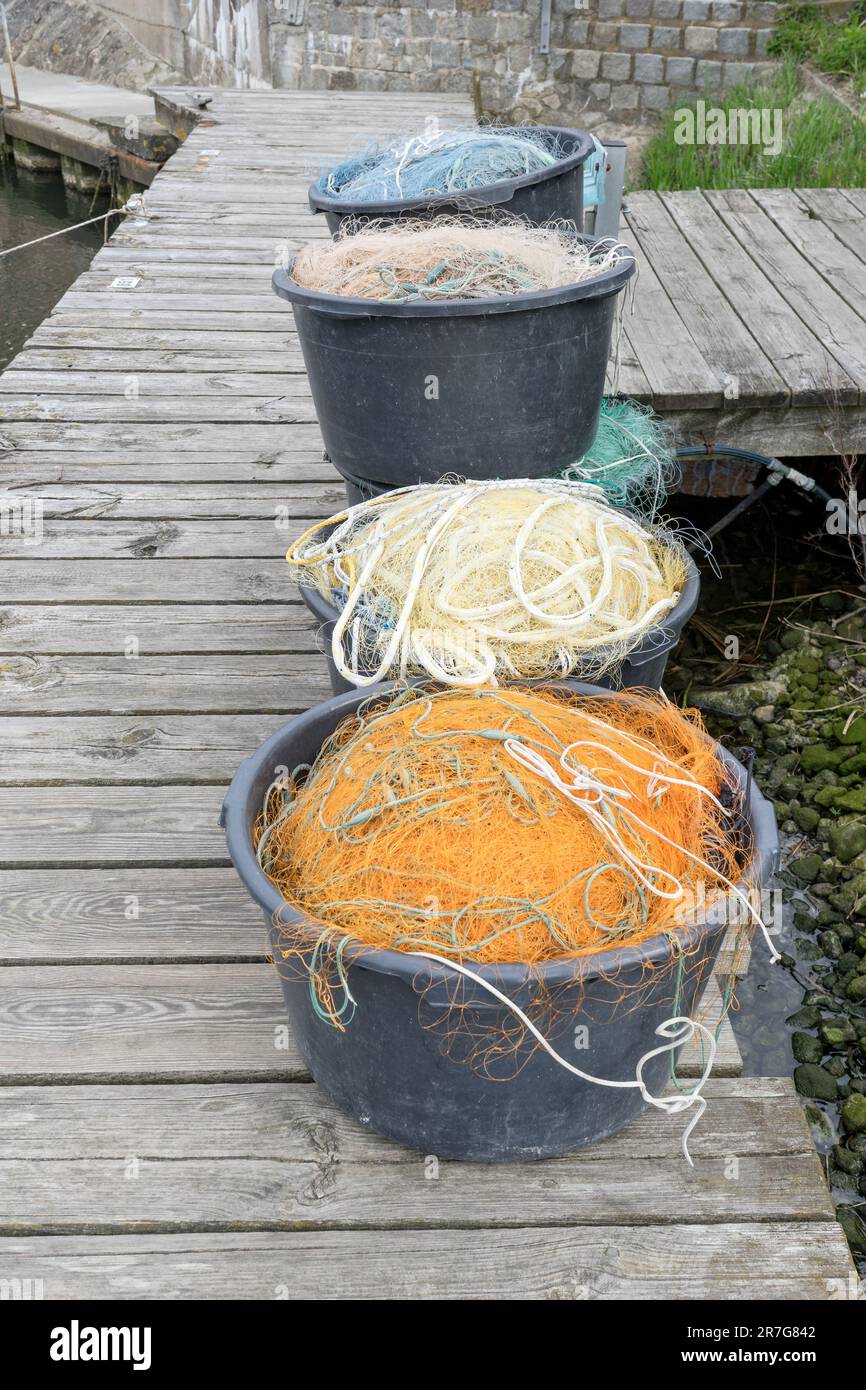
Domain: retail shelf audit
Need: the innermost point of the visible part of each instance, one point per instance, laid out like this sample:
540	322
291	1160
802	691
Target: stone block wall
623	59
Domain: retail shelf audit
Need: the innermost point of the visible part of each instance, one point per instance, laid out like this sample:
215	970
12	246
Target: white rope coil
472	583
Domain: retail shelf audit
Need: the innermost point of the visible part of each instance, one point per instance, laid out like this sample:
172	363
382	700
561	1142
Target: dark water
32	281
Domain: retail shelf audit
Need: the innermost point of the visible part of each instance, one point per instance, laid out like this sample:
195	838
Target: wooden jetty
159	1136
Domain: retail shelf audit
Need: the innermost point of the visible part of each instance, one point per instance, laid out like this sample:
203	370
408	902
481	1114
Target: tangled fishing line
631	457
446	258
472	583
440	162
484	827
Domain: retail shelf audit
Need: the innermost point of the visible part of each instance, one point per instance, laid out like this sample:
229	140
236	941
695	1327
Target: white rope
112	212
478	597
679	1029
589	794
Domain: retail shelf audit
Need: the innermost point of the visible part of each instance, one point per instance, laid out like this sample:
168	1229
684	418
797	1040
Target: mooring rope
101	217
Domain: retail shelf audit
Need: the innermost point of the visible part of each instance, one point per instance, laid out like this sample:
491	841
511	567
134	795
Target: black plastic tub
644	666
509	387
360	490
555	192
389	1070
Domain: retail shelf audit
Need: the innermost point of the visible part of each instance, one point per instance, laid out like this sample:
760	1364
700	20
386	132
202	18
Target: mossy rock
808	868
816	1082
827	796
807	661
828	918
847	840
831	945
855	1231
855	731
846	1159
854	1113
807	1017
839	1025
806	1048
856	988
808	950
843	898
822	1130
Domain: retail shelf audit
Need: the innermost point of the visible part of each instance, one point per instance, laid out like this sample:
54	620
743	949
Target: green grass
822	145
838	46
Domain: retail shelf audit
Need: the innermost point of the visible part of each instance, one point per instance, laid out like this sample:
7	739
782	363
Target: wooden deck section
158	1137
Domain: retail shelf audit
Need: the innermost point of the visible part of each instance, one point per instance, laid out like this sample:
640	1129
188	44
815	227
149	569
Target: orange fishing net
505	825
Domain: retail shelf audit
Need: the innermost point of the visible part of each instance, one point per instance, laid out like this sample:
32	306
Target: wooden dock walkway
159	1137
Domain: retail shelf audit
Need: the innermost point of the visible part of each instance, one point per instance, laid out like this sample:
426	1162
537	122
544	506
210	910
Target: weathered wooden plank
238	372
185	344
168	1022
807	368
836	211
230	1194
69	915
264	538
147	385
674	367
287	1120
799	432
96	312
840	267
856	197
731	1261
117	628
817	304
277	503
287	408
268	440
723	339
159	749
111	825
66	481
54	356
148	581
148	685
212	278
122	258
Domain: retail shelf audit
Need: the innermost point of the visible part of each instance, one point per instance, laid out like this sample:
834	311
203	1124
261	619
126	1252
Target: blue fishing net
445	162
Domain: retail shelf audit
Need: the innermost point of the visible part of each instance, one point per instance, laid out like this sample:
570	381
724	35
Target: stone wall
626	59
222	43
141	43
75	37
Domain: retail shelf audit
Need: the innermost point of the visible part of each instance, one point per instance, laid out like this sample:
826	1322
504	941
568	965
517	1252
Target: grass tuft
806	33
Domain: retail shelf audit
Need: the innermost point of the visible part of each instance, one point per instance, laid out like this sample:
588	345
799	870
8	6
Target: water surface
32	281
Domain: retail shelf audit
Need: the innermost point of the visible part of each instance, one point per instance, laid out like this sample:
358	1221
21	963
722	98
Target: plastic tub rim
484	195
601	286
505	975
